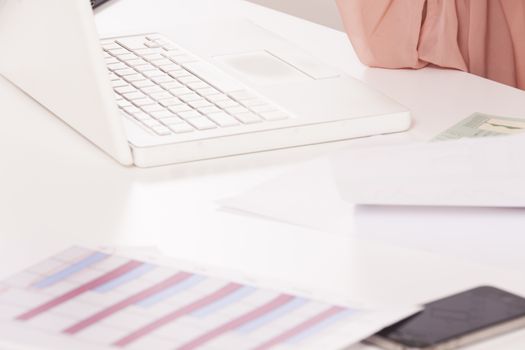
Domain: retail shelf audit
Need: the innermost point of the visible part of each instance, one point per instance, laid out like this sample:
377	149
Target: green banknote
483	125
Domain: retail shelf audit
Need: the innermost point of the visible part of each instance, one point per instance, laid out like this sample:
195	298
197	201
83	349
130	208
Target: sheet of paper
483	125
87	299
311	196
477	172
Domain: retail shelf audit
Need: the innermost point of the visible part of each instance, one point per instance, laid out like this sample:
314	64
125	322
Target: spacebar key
214	77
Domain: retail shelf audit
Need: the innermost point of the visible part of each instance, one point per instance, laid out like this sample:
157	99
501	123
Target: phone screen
456	316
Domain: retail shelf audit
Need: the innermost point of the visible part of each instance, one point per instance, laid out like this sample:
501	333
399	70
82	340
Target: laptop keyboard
169	91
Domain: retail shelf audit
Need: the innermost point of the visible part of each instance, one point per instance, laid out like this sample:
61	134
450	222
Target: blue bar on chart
69	271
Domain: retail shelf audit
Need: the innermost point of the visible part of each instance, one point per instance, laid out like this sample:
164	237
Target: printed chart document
101	299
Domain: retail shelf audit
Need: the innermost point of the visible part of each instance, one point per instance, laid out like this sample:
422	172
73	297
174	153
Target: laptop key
181	128
223	119
202	123
248	118
161	130
274	115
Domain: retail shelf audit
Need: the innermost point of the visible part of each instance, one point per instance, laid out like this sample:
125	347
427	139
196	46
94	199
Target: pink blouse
484	37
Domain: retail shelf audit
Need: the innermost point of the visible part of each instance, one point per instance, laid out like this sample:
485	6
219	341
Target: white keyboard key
133	78
189	79
143	102
136	62
124	72
152	89
274	115
123	103
181	91
172	85
227	104
172	121
161	130
200	103
141	84
237	110
202	123
151	122
151	108
118	83
249	118
242	95
181	73
184	59
223	119
132	43
144	68
263	108
213	76
209	91
152	57
162	79
140	116
190	97
110	45
152	44
181	128
127	57
116	66
125	89
132	110
169	47
171	68
196	85
162	62
218	98
173	101
189	114
209	110
161	95
111	60
136	95
180	108
148	51
162	114
253	102
118	51
154	73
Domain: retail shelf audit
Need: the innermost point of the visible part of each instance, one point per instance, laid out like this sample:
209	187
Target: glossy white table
57	190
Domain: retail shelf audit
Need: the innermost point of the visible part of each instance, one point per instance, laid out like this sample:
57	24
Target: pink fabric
484	37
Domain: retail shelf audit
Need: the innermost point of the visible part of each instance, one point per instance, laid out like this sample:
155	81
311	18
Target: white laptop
147	101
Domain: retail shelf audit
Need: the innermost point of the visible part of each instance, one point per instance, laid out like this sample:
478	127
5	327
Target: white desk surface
57	190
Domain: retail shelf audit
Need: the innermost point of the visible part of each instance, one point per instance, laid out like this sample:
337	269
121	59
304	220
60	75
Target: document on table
88	299
483	125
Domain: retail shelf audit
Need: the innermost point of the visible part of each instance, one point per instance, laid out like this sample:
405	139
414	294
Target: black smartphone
97	3
455	321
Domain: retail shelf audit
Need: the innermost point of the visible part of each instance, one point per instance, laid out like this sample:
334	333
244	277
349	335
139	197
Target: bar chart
102	299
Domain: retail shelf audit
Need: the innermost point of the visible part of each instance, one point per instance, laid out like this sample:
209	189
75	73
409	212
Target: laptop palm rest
266	67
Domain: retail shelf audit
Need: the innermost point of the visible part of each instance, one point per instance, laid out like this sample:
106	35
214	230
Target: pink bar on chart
172	316
116	273
99	316
312	322
238	322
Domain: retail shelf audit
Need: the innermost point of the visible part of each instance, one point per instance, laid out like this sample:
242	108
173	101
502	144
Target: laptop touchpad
262	68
